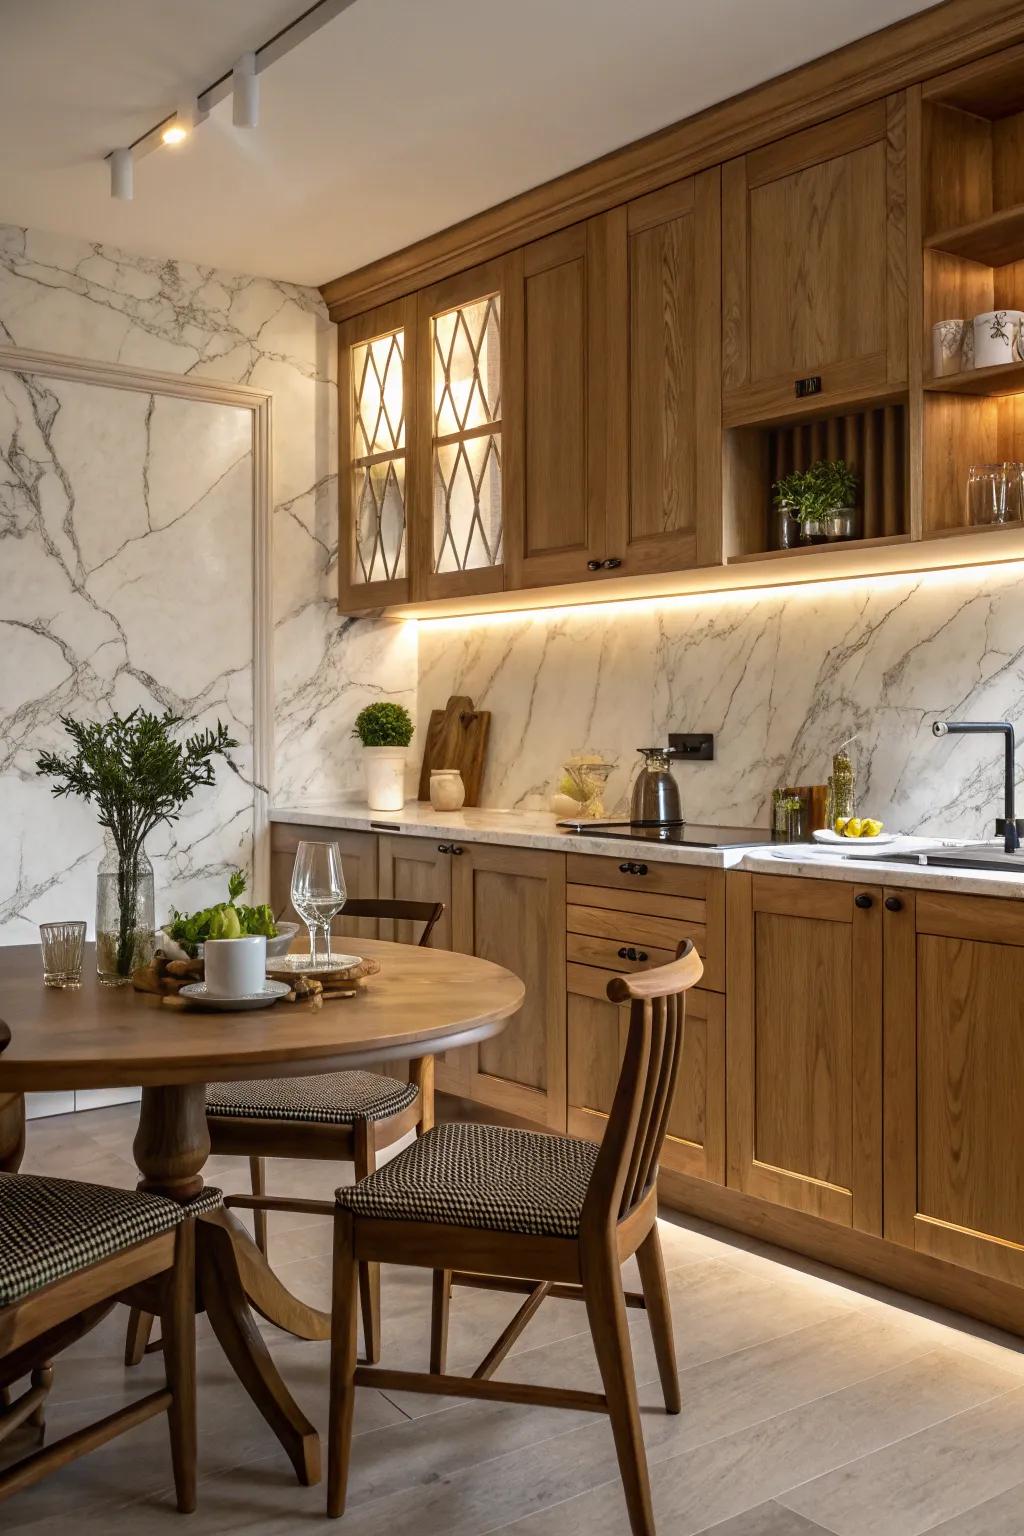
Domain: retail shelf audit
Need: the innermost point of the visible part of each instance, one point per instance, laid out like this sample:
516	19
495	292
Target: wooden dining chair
549	1216
333	1116
68	1252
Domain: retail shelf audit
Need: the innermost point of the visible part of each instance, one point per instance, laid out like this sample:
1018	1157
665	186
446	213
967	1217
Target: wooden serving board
457	738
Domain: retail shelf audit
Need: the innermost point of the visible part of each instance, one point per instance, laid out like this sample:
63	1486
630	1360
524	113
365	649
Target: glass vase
125	915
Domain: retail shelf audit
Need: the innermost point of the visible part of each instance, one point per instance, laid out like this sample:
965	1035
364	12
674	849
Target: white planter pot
385	777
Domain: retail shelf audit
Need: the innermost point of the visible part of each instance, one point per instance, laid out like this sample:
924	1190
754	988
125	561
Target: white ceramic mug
997	337
952	347
447	791
235	967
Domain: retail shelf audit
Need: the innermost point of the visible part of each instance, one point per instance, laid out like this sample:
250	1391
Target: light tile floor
813	1402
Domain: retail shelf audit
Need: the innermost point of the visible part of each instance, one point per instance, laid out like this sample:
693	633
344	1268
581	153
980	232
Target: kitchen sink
983	856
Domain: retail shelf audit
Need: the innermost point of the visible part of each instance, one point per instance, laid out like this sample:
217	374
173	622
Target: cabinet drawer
633	928
584	950
665	879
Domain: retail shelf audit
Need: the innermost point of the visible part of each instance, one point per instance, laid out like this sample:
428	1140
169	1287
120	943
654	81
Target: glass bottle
841	787
125	915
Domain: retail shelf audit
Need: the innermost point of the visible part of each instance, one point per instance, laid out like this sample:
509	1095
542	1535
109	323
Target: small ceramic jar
997	337
447	791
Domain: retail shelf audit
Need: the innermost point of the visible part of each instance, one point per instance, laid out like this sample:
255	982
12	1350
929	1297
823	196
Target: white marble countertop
537	829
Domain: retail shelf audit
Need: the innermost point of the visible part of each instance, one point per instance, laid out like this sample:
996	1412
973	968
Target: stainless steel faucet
1007	824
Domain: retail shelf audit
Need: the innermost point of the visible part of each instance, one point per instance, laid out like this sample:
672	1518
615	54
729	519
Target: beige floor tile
913	1485
769	1519
999	1516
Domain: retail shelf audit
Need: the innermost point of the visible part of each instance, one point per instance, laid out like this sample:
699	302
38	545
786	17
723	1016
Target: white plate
270	992
826	836
300	964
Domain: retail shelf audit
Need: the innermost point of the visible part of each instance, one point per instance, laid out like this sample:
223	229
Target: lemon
871	828
840	823
854	827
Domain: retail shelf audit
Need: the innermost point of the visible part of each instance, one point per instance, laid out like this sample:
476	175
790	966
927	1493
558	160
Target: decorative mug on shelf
952	347
997	337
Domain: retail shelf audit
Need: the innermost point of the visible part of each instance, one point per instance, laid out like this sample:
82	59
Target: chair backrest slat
429	913
627	1162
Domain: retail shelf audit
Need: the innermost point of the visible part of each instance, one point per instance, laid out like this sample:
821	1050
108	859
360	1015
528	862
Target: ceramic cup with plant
137	775
822	499
385	731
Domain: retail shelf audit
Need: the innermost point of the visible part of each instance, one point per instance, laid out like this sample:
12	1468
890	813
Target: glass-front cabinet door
464	488
376	395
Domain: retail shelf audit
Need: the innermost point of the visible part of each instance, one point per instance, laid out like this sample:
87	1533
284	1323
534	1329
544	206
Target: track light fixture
188	116
245	93
122	175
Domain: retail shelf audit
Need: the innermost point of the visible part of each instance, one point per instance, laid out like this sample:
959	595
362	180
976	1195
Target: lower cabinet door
954	1079
419	869
508	905
358	862
804	1045
596	1040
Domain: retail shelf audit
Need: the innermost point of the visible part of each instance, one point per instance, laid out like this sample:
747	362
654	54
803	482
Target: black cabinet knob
893	904
610	565
641	954
863	900
641	869
623	953
456	849
593	565
632	868
625	869
444	847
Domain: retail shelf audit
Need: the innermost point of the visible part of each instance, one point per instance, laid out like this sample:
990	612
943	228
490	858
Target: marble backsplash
781	679
103	603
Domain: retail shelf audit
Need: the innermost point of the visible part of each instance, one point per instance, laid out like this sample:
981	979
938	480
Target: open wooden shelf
995	241
1003	379
803	550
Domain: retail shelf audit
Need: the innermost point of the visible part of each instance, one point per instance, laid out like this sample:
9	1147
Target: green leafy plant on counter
809	495
137	775
226	920
384	725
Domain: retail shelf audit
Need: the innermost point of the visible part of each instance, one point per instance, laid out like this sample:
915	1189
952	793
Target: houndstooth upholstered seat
50	1228
335	1098
486	1176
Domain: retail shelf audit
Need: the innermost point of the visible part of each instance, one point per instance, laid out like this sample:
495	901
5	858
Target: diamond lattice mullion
476	521
446	374
447	537
393	351
359	391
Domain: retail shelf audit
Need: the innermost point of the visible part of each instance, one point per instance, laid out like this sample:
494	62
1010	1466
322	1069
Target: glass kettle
655	794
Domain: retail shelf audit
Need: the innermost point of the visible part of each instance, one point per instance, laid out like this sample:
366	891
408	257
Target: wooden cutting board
457	738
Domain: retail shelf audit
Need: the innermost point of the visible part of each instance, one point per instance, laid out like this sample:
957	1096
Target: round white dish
299	963
271	992
827	836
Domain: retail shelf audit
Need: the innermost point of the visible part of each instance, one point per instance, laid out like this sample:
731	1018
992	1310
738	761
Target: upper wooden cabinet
815	266
804	1045
467	479
376	373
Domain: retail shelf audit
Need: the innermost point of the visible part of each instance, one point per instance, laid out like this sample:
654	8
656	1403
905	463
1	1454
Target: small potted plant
385	731
137	775
822	499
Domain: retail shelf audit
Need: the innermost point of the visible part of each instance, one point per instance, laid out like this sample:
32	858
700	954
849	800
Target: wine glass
318	891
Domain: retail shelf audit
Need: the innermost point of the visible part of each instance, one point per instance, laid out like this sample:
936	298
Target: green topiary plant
384	725
809	495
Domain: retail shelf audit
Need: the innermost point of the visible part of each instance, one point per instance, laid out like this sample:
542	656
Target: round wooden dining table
422	1002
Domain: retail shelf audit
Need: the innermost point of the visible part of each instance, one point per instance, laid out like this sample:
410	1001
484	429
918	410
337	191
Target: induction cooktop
681	834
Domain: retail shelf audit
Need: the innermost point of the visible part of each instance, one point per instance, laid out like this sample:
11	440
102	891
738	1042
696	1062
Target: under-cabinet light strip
839	586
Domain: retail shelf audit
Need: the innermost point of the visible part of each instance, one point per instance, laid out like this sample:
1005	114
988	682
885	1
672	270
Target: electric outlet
692	746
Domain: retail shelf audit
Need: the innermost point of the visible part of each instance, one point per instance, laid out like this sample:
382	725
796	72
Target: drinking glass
995	493
63	946
318	892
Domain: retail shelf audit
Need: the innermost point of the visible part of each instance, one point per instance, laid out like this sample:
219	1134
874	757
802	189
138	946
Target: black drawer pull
456	849
611	564
593	565
863	900
893	904
632	868
641	954
444	847
623	953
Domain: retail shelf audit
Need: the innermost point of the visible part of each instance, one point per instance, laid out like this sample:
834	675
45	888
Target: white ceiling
396	119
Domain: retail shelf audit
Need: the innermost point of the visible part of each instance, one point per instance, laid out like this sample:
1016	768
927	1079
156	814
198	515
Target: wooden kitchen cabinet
954	1076
420	869
804	1045
596	1040
466	469
814	241
508	905
358	861
569	345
